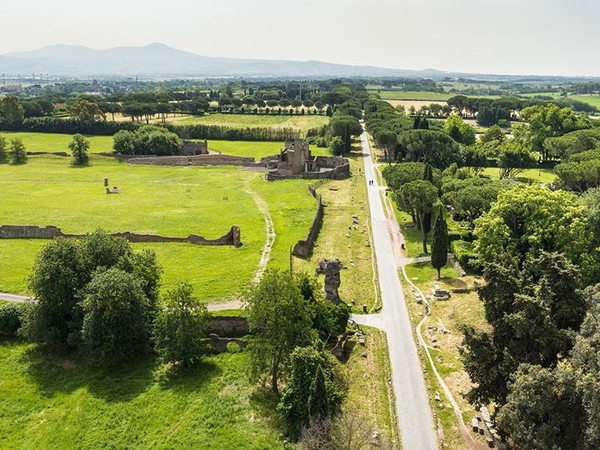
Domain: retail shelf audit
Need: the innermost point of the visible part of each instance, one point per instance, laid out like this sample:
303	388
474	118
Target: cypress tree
439	242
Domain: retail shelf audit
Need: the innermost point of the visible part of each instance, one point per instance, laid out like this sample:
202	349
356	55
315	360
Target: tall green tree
11	110
17	153
417	198
115	323
3	147
79	147
180	328
428	146
314	391
439	241
280	320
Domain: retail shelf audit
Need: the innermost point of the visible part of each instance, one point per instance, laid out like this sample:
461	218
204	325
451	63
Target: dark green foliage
397	175
345	126
3	147
514	158
544	410
471	197
336	146
63	269
565	146
314	390
115	324
11	318
280	320
16	152
180	328
56	280
439	241
329	320
580	176
433	147
417	198
466	256
79	147
547	121
534	313
147	140
11	110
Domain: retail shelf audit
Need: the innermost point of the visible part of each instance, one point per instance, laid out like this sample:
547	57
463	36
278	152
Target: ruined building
296	161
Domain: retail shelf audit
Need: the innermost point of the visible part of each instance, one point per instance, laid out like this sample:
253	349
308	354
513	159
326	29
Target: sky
545	37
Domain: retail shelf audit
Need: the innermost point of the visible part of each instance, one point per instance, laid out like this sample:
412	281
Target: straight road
412	403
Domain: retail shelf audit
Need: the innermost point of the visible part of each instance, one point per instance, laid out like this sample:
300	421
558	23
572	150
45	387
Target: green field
54	142
409	95
170	201
302	123
62	404
593	100
535	175
257	149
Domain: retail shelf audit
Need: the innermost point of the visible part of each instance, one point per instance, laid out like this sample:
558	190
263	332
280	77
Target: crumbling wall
233	237
229	326
190	148
29	232
197	160
219	344
303	248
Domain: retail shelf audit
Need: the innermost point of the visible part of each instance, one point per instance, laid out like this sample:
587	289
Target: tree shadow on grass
63	374
264	402
182	380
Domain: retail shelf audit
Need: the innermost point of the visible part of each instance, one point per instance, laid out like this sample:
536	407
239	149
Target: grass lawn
460	310
170	201
341	238
257	150
369	392
302	123
55	142
60	404
530	175
593	100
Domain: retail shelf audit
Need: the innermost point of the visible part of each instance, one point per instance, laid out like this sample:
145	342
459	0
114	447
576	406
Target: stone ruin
296	161
191	148
331	268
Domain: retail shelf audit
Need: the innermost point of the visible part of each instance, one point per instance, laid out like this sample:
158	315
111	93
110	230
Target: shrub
467	257
11	316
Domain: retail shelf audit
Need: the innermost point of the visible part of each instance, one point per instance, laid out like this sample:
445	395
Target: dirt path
270	230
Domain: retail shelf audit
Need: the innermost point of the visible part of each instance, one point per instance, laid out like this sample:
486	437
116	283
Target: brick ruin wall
233	237
303	248
197	160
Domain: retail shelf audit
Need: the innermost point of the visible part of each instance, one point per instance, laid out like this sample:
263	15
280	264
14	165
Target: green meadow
169	201
55	142
59	403
412	95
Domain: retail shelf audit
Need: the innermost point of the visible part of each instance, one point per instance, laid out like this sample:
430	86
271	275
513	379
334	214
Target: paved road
412	404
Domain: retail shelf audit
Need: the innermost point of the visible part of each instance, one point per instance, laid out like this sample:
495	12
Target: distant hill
159	60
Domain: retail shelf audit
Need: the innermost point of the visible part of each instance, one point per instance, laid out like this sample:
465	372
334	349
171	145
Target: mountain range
159	60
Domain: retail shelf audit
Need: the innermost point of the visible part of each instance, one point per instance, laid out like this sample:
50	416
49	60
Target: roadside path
13	298
415	419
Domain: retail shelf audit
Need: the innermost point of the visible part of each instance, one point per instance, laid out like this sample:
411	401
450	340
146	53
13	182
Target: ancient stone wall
303	248
219	344
229	326
197	160
233	237
29	232
190	148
